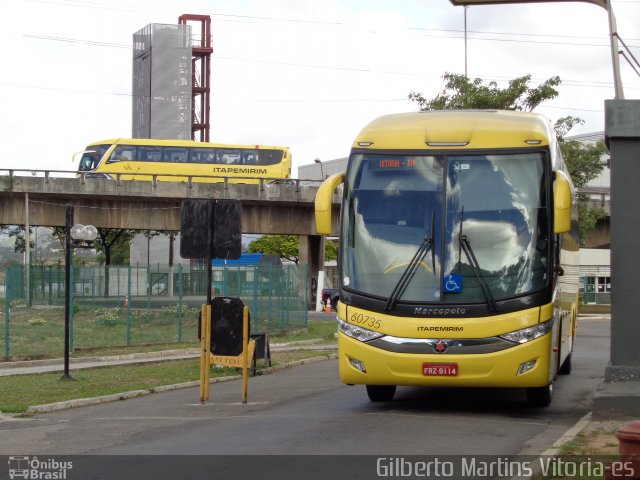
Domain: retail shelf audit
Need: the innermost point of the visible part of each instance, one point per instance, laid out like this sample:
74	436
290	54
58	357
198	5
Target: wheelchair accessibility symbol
453	283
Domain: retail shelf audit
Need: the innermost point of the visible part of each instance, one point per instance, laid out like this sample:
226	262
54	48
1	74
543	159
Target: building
162	74
598	191
595	276
319	170
595	257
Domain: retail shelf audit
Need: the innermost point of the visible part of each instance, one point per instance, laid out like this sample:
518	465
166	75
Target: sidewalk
57	364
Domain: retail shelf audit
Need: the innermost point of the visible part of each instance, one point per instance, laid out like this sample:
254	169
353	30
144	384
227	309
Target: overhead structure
201	51
613	33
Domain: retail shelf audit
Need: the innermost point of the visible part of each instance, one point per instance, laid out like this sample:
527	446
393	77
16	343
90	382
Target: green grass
21	391
18	392
39	332
322	330
592	449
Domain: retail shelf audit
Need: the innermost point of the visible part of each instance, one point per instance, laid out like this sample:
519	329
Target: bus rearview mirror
323	203
562	203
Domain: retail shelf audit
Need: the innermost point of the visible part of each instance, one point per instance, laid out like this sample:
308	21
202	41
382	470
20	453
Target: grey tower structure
162	89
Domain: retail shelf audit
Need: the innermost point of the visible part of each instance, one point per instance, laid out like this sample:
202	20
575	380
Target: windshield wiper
465	244
407	275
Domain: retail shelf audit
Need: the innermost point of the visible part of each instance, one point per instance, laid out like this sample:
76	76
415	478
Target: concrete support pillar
312	254
620	392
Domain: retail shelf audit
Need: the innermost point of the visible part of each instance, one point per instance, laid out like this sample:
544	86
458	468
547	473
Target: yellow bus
175	160
458	263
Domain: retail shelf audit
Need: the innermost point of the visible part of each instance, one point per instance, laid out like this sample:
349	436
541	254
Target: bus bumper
496	369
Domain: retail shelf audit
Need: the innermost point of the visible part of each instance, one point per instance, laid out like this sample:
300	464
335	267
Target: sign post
205	351
210	229
230	342
225	340
245	353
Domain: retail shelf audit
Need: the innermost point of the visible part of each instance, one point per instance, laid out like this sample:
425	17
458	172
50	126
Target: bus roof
465	129
177	143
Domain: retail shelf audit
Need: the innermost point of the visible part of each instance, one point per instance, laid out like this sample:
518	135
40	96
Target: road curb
84	402
159	355
556	447
567	436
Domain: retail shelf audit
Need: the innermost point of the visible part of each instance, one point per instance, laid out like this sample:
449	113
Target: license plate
440	369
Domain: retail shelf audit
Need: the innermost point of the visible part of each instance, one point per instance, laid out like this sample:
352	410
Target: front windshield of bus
91	157
453	229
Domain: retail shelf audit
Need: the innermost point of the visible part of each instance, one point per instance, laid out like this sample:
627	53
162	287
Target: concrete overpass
278	208
40	198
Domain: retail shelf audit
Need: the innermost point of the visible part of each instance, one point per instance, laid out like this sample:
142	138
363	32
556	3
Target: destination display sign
379	163
395	163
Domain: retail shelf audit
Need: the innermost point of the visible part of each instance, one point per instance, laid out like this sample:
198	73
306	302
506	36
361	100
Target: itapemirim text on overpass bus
458	262
140	159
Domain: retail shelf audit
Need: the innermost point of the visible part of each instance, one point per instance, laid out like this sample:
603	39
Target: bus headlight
530	333
357	332
525	367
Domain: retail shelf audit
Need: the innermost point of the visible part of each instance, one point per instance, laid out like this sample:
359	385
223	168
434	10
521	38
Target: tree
330	251
17	232
460	93
286	247
585	164
583	161
113	243
40	251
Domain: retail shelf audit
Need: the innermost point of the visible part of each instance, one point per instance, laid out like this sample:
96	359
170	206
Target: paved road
306	410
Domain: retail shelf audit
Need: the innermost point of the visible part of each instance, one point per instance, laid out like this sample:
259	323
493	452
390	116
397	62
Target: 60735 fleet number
365	320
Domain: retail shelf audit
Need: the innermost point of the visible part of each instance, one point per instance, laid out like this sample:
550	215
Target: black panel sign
227	233
196	221
226	326
210	228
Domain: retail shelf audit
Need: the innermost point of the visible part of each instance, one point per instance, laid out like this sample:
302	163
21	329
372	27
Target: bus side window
123	153
150	154
202	155
175	154
250	157
195	155
269	157
230	156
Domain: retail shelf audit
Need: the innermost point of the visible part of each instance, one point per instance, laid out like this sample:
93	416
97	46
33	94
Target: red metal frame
201	51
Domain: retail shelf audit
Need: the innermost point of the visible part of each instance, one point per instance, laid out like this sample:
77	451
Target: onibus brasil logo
37	469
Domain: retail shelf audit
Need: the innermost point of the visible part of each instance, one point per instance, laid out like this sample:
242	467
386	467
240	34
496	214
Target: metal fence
133	305
595	298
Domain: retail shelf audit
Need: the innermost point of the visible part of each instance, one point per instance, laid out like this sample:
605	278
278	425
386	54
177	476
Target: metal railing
10	173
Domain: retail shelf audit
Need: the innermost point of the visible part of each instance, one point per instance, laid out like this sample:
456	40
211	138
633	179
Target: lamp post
606	4
465	42
319	162
75	236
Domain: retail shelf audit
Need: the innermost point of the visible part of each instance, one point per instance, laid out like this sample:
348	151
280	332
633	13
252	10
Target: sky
307	74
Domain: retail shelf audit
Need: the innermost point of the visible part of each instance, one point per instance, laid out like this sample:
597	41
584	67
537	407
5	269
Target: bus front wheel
540	396
381	393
